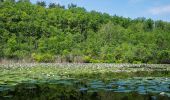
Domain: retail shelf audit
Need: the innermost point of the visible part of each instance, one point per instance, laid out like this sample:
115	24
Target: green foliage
164	56
87	59
43	57
75	33
53	5
41	3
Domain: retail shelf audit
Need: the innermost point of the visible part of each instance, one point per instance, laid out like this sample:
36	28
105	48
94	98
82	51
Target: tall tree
41	3
54	5
72	5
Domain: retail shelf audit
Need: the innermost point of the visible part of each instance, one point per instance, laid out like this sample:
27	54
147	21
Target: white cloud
160	10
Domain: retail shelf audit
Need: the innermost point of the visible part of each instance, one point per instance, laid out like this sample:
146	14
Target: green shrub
43	57
164	57
137	62
86	59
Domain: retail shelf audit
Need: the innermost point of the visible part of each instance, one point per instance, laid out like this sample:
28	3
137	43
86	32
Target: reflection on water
84	89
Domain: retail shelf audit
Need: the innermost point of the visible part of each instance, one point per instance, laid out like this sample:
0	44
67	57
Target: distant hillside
54	33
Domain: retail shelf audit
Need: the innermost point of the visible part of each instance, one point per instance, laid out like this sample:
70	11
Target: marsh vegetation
84	81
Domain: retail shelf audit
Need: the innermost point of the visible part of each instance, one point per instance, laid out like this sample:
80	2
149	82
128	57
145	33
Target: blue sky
155	9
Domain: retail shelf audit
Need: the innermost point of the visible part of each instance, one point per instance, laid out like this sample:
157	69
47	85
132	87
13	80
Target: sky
155	9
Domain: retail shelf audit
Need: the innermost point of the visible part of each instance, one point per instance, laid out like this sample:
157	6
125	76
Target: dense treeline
52	33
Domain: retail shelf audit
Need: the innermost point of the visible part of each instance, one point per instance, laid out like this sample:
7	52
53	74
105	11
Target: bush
137	62
43	57
86	59
164	57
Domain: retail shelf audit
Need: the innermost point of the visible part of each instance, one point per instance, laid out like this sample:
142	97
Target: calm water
87	89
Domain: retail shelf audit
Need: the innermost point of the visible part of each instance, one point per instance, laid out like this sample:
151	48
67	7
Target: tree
45	34
41	3
149	25
72	5
53	5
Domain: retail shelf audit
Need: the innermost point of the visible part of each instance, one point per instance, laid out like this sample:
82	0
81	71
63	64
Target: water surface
137	88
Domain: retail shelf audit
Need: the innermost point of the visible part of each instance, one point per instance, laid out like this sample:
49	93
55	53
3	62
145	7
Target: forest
56	33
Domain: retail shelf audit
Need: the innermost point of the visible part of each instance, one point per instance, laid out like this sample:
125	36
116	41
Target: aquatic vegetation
89	81
16	73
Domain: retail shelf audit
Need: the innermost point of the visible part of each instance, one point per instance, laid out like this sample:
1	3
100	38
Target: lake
84	82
